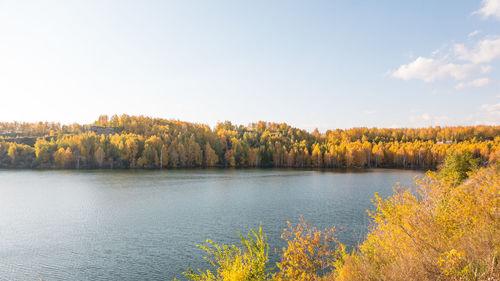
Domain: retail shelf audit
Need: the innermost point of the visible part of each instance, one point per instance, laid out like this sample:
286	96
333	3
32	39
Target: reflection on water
145	225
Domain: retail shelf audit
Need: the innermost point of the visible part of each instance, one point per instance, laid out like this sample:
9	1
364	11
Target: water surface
145	225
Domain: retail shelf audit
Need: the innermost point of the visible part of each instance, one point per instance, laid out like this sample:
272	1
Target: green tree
458	165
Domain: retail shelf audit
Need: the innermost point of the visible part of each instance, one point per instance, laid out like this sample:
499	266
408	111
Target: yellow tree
211	157
12	152
317	157
131	150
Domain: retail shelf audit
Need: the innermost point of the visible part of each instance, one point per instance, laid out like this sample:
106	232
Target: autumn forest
123	142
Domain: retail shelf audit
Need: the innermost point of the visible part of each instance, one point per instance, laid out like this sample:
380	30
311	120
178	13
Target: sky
312	64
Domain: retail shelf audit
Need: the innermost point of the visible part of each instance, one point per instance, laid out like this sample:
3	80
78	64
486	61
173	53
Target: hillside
142	142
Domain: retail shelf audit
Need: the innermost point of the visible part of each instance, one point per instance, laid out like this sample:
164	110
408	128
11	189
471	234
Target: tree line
145	142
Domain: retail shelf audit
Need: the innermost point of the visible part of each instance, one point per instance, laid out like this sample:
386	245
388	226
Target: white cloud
484	51
474	33
480	82
425	120
489	8
491	107
440	50
371	111
488	114
429	69
461	62
485	69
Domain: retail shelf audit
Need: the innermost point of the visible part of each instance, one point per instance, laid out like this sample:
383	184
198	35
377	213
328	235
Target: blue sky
324	64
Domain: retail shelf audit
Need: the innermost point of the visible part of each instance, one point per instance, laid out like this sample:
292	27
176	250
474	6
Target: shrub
440	232
233	263
310	253
457	166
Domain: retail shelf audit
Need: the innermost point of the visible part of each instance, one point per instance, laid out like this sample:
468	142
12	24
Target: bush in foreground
248	262
439	232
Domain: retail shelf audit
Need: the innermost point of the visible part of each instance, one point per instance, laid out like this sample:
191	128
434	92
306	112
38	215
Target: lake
145	225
